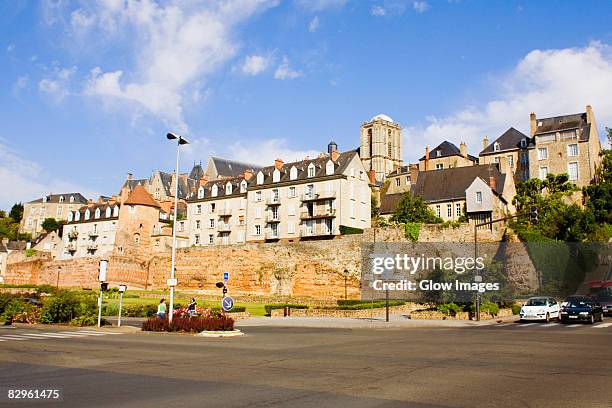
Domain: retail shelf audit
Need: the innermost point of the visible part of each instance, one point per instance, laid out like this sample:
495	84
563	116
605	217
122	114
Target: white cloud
58	83
378	11
420	6
254	64
22	82
285	72
264	152
313	26
547	82
22	180
173	46
318	5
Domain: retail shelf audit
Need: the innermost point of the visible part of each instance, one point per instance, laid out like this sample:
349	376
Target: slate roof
509	140
16	245
447	149
450	184
565	122
221	184
197	172
92	211
231	168
389	203
185	186
55	198
400	170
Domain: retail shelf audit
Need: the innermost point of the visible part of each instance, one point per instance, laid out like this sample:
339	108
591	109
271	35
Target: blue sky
89	89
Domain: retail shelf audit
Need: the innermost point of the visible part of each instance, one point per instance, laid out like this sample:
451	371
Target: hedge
190	325
345	230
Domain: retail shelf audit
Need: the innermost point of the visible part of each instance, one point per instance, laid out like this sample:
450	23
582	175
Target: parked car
540	308
602	292
581	309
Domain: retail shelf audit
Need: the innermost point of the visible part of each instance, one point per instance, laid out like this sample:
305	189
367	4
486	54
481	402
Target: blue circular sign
227	303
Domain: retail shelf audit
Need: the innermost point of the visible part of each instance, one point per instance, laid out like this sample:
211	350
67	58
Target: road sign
226	276
227	303
172	282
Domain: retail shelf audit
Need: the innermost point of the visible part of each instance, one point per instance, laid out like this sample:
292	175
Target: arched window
97	213
293	173
243	186
137	238
116	211
329	168
108	212
72	199
201	192
260	178
276	176
214	190
370	142
77	215
228	188
61	199
87	214
496	147
70	216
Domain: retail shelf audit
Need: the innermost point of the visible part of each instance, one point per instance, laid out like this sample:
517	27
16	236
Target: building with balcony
57	206
90	230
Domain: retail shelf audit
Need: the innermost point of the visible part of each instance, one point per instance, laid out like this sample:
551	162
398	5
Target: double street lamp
179	141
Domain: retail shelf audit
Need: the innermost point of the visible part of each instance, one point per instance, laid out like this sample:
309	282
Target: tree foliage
598	195
414	210
16	212
51	224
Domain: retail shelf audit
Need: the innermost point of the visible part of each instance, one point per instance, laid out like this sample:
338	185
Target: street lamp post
59	269
180	141
346	273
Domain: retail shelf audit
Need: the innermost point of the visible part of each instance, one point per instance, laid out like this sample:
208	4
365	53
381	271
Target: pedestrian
161	309
192	307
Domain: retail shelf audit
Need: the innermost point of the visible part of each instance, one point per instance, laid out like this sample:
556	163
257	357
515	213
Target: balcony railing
315	232
272	218
92	246
73	235
320	195
92	234
224	212
223	227
273	200
272	235
328	213
71	246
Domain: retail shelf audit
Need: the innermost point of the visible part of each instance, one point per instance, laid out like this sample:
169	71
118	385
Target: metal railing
319	195
328	213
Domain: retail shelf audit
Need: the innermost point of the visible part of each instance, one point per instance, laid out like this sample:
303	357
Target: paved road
506	365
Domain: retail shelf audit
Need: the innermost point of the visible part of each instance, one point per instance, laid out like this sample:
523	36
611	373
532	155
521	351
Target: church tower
381	146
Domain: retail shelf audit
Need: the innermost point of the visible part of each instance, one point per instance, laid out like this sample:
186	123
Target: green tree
51	224
598	195
413	209
16	212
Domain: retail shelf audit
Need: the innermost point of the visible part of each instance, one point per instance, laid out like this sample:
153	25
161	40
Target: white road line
548	325
83	334
602	325
504	324
11	337
574	325
526	324
47	336
95	331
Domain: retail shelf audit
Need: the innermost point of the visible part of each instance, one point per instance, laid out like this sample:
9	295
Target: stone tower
381	146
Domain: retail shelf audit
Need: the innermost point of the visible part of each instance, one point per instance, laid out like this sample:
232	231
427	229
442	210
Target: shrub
346	230
14	307
5	299
143	310
189	325
30	252
65	306
489	307
46	289
347	302
449	309
516	309
274	306
30	314
85	320
370	304
412	231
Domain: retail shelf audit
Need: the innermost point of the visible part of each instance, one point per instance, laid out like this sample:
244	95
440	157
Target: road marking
53	335
526	324
94	331
504	324
14	337
47	335
602	325
573	326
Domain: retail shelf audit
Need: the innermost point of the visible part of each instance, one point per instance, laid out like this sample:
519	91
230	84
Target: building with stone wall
565	144
445	156
381	146
512	148
50	243
402	179
56	206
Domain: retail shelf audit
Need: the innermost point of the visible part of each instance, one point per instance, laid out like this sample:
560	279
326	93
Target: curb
232	333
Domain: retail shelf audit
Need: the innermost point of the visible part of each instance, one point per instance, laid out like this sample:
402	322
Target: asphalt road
510	365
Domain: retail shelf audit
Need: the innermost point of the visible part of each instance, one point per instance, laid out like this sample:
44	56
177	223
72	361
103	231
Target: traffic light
533	215
104	286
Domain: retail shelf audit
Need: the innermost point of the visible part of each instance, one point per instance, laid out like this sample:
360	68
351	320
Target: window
523	142
389	148
243	186
72	199
543	172
212	207
276	176
397	182
291	209
310	191
257	229
438	210
496	147
275	196
260	178
449	210
211	223
439	166
542	153
290	228
572	150
131	209
197	239
479	197
407	179
108	212
61	199
510	161
329	168
214	190
293	173
116	211
199	209
291	192
228	188
211	239
87	214
58	212
197	224
311	170
137	238
201	192
458	210
97	213
438	153
258	196
572	170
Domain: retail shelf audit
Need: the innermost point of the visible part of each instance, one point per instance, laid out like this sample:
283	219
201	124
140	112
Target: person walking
161	309
191	309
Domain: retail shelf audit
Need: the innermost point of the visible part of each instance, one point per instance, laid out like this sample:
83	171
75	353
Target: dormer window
243	186
438	153
293	173
228	188
87	214
496	147
108	212
311	170
260	178
201	192
116	211
72	199
214	190
523	142
61	199
77	215
276	176
70	216
97	213
329	168
44	199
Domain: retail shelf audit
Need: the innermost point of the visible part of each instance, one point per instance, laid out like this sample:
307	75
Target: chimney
414	173
463	149
372	176
248	173
485	142
278	163
492	183
426	158
334	155
533	123
129	176
589	112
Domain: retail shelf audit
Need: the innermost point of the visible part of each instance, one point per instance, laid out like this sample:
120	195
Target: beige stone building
565	144
308	199
381	146
56	206
446	155
50	243
512	147
402	179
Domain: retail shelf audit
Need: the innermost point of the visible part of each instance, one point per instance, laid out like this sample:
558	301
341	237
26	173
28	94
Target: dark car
606	304
581	309
602	291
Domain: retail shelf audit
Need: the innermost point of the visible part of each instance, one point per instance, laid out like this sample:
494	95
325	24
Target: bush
5	299
449	309
189	325
412	231
348	302
14	307
30	252
489	307
368	305
274	306
65	306
345	230
143	310
46	289
516	309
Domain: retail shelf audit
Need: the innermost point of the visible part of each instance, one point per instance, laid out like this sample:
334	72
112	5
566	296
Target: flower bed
189	324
